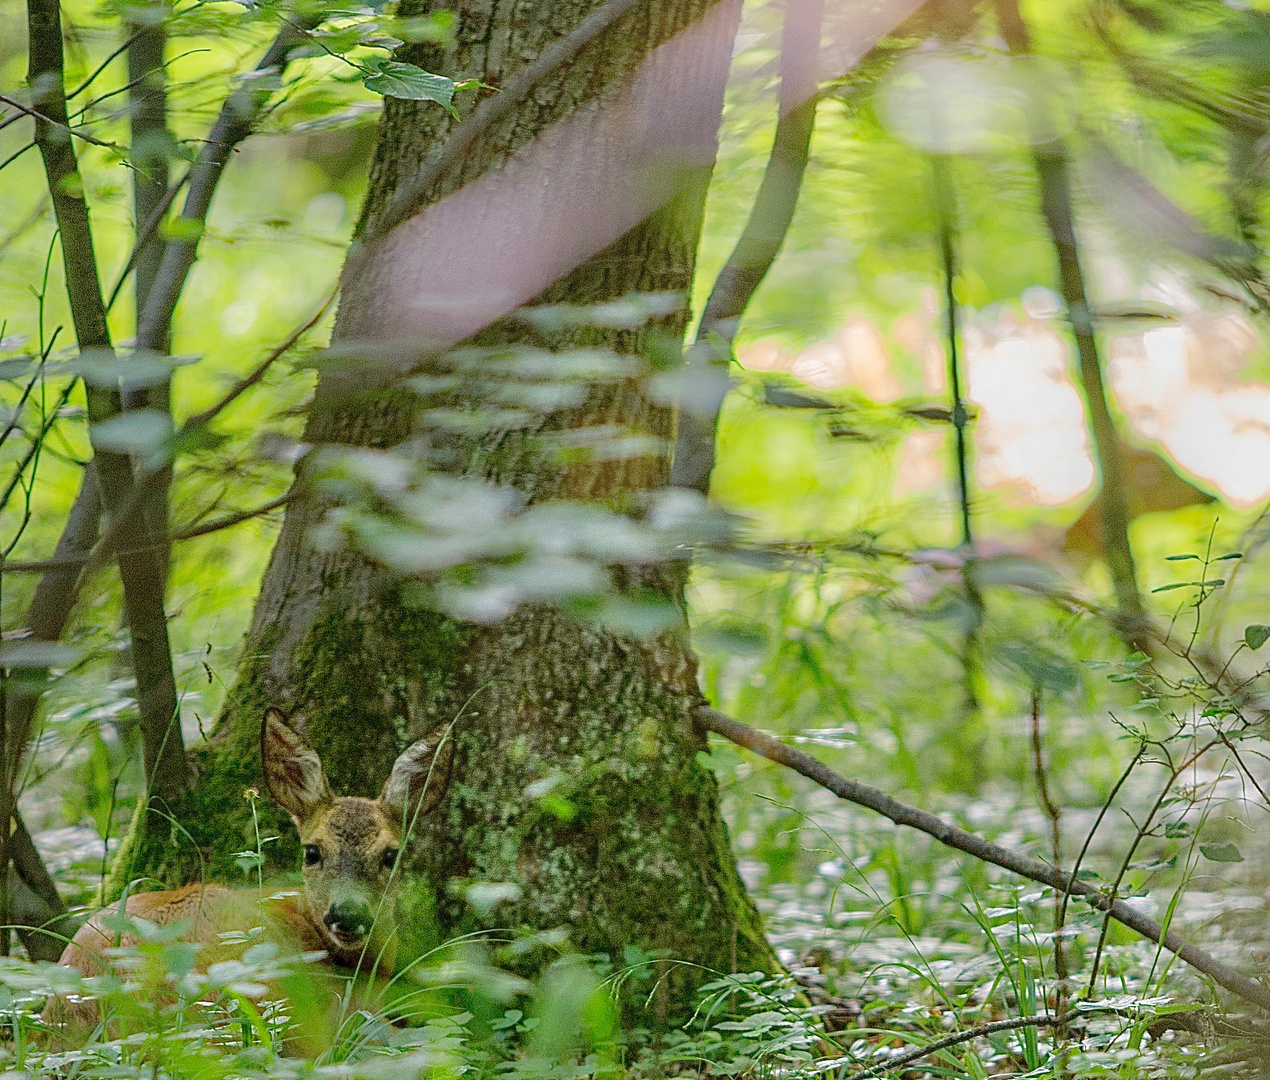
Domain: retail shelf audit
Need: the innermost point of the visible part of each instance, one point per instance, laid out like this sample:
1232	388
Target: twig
34	448
144	232
410	195
42	118
755	251
249	380
76	561
1052	811
41	208
1244	768
153	481
1023	865
107	545
16	154
916	1054
945	197
103	65
26	392
1141	831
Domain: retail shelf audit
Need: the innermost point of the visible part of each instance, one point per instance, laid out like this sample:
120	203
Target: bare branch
58	124
34	448
234	123
202	419
991	1028
78	560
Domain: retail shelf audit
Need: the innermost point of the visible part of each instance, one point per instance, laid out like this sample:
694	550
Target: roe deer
351	847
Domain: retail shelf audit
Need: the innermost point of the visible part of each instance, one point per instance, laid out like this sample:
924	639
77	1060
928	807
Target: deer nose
348	919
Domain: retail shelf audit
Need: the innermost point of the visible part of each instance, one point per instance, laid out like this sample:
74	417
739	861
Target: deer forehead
356	823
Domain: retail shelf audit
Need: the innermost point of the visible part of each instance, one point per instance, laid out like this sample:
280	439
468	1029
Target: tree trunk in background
643	860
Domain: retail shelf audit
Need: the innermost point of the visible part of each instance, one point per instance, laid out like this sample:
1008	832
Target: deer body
345	909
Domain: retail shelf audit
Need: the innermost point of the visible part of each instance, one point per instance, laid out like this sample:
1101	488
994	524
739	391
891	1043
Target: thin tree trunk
639	859
756	249
142	584
1056	206
150	145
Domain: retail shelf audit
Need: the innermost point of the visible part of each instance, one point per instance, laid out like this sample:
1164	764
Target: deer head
351	844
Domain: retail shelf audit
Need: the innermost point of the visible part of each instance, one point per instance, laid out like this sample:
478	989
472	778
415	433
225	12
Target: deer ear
293	770
419	778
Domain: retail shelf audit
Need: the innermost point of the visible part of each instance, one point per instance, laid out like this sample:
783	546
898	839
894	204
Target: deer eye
312	855
390	858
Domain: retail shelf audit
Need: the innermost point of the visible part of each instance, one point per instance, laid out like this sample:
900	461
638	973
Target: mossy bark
630	850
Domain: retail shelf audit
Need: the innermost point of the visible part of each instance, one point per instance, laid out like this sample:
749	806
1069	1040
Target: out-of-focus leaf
137	431
485	896
1041	667
1019	571
29	653
641	618
628	312
1221	853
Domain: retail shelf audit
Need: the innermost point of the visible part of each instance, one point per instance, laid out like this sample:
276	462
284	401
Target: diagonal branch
959	839
234	123
410	195
755	251
75	561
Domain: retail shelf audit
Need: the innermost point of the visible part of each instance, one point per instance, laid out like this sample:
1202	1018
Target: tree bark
640	858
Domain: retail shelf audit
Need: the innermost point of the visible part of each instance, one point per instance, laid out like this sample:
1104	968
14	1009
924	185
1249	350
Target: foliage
827	604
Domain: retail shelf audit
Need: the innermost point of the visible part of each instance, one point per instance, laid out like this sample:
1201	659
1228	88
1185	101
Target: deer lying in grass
351	848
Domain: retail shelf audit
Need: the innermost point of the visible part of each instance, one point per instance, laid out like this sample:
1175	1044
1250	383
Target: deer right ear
293	770
419	778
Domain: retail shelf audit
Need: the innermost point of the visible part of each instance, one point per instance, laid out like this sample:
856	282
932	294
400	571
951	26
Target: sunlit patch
1031	431
1179	385
238	318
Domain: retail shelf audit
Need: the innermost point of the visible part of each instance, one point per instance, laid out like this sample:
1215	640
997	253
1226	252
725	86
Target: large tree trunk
643	859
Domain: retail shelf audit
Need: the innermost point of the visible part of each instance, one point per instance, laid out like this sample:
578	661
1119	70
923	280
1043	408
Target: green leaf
1232	555
1256	635
1179	558
1176	585
392	78
1221	852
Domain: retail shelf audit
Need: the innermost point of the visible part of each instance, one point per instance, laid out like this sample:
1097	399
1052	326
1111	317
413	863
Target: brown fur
353	879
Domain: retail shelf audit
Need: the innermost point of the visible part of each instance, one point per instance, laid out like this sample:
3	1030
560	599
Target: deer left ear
419	778
292	768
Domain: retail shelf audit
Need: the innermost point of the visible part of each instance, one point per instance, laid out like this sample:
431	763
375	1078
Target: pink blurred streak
501	240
